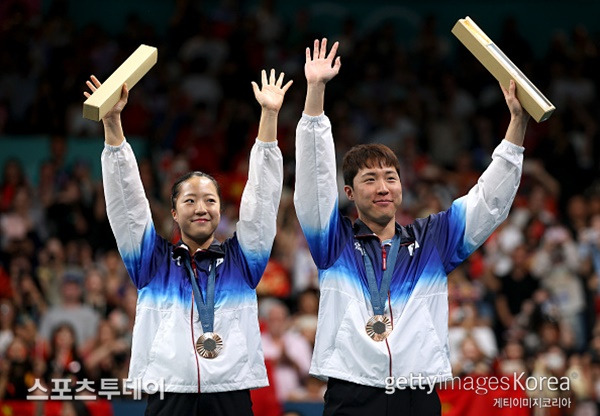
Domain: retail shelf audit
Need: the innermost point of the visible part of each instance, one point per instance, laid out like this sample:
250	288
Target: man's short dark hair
367	156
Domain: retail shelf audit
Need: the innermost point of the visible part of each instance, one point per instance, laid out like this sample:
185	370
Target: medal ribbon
379	296
206	307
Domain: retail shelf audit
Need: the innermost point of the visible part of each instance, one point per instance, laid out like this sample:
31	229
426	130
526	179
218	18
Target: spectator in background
29	300
516	287
589	248
556	264
473	359
306	325
63	360
550	362
52	266
576	219
288	350
579	371
7	324
13	179
16	371
115	278
107	355
101	237
93	294
308	302
512	359
512	39
291	250
82	318
467	335
24	220
275	280
67	215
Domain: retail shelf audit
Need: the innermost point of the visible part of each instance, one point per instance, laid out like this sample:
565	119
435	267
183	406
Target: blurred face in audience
55	251
513	350
71	292
277	320
577	207
64	338
470	350
520	258
106	332
22	201
308	303
549	333
7	314
94	282
17	351
12	173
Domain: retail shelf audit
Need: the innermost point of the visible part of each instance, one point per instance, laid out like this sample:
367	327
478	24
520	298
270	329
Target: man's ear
349	192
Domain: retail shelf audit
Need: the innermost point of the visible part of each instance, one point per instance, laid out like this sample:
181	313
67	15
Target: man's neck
383	231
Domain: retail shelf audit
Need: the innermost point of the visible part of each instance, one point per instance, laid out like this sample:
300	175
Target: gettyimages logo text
479	384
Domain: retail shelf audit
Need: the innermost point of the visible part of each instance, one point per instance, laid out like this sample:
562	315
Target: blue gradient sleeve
257	224
316	193
129	213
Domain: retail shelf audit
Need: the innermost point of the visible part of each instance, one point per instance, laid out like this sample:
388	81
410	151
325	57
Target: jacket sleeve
316	193
257	225
472	218
129	214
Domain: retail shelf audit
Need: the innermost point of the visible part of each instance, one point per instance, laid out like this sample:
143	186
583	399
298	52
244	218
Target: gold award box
502	68
130	72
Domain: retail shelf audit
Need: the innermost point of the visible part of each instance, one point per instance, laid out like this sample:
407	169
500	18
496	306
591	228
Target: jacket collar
362	231
215	250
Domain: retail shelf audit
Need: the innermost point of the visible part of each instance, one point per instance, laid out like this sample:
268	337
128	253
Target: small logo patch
358	246
413	247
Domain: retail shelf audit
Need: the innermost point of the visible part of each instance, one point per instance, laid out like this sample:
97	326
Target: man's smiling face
377	193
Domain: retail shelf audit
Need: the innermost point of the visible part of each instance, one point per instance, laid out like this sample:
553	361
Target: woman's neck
195	245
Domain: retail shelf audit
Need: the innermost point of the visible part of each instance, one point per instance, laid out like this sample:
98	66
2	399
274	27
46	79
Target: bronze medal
379	327
209	345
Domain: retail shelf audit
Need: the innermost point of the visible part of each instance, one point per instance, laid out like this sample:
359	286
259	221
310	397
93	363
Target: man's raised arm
316	194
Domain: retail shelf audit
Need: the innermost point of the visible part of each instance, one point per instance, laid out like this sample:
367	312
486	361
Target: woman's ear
174	214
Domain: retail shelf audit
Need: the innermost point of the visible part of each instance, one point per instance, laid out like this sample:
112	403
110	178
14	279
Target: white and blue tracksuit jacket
431	248
167	321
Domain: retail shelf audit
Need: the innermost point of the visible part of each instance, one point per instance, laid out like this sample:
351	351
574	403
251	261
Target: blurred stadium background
527	301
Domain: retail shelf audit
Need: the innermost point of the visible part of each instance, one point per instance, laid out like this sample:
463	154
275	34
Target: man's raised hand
514	106
321	66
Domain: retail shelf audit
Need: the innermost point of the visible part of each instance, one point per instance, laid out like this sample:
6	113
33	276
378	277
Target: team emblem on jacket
359	247
413	247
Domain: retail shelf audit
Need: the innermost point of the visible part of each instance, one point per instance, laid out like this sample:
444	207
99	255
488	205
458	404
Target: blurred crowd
526	301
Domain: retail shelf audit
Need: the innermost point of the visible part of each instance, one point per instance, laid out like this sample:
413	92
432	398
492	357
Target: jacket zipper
384	267
192	325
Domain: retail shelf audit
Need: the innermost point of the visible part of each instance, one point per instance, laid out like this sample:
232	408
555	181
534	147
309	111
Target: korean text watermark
511	402
65	389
